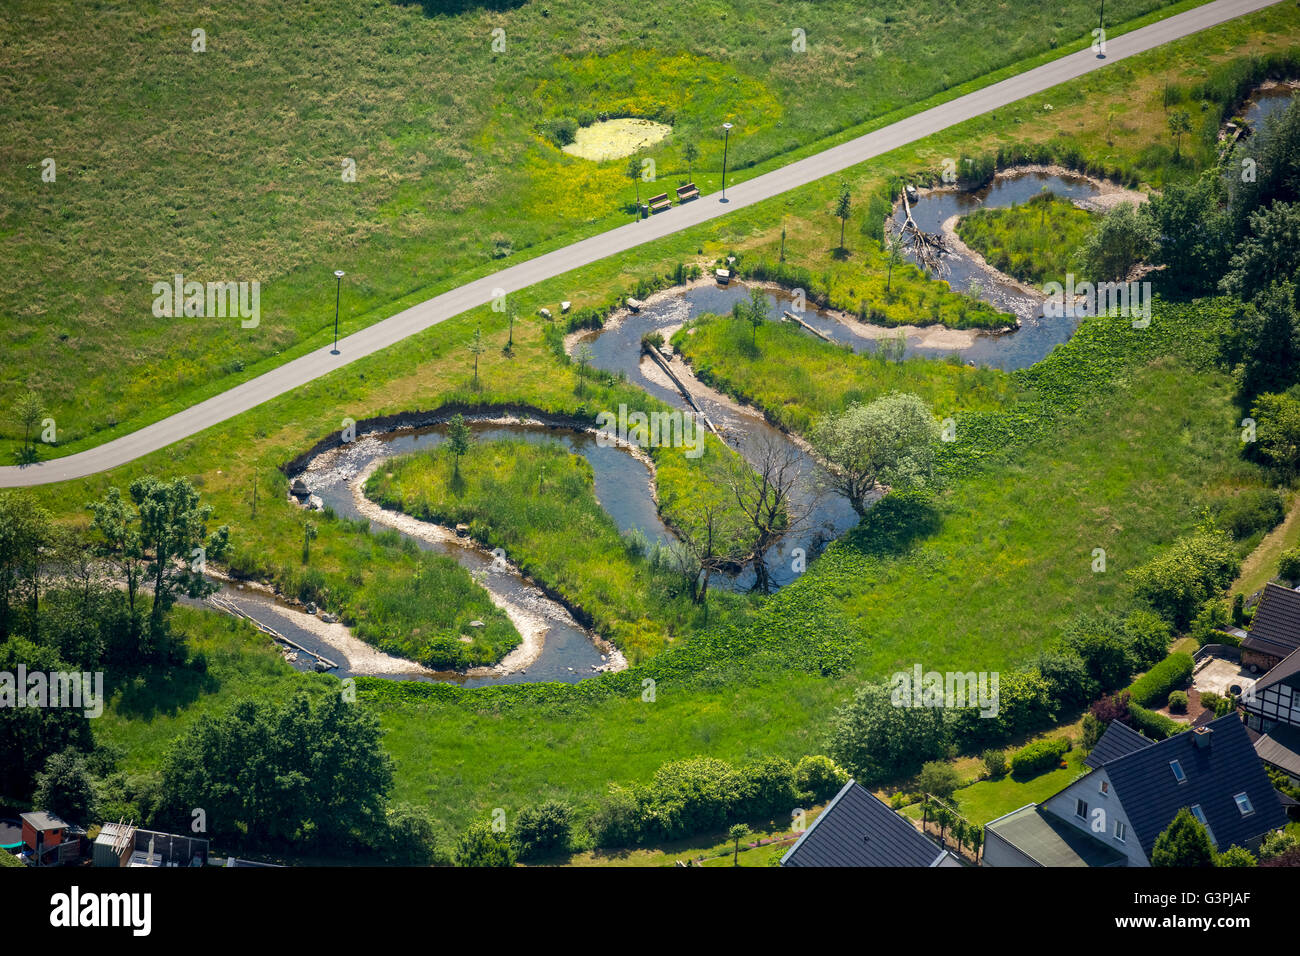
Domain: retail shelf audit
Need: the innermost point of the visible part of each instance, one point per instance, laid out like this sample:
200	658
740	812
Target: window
1199	814
1105	787
1081	809
1177	768
1121	831
1243	804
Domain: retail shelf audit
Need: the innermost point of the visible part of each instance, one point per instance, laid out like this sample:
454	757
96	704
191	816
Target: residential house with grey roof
1112	815
858	829
1272	707
1274	630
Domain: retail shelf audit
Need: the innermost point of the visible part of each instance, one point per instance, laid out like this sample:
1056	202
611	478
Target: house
857	829
51	839
1272	709
125	845
1275	629
1112	815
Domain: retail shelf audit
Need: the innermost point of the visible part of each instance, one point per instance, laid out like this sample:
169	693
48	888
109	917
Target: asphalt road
392	330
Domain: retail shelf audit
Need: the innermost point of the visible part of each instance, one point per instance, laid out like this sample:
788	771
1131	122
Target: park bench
689	191
659	203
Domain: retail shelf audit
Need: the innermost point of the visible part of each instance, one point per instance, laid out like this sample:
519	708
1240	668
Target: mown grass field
227	164
1126	466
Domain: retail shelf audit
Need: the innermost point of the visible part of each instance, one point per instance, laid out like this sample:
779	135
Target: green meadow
1036	242
1119	440
229	164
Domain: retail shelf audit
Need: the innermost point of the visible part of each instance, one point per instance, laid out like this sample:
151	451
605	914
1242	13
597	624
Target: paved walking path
419	317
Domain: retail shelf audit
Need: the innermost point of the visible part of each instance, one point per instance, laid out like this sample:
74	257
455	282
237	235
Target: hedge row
704	794
1038	756
1154	725
1170	674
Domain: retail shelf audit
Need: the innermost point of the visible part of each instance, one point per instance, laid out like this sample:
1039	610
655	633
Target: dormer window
1177	768
1243	804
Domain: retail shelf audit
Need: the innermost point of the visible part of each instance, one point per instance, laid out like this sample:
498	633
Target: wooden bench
659	203
689	191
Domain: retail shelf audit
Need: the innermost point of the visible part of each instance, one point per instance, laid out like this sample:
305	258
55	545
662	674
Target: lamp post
725	143
1101	36
338	292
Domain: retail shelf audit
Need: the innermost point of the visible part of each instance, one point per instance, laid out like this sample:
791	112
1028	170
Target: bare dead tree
707	544
766	490
927	248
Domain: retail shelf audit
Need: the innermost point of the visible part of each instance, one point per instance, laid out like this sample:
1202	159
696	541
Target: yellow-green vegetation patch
616	138
1037	241
680	90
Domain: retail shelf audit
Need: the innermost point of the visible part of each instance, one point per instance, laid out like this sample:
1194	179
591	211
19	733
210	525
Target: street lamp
725	142
338	291
1101	36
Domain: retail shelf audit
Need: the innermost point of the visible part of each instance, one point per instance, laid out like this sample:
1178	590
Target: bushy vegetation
1177	582
697	795
1152	723
1038	756
1154	686
1037	241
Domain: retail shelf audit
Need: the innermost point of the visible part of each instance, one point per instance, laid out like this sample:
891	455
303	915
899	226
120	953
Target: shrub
767	789
940	778
1183	843
818	778
1155	684
1038	756
1148	636
1277	843
412	838
1178	702
1092	730
560	131
1288	565
874	740
1209	621
1251	511
995	762
480	845
1235	856
617	820
1024	704
543	829
1194	569
1209	700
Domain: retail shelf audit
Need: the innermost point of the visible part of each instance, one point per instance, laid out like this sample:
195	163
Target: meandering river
556	646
